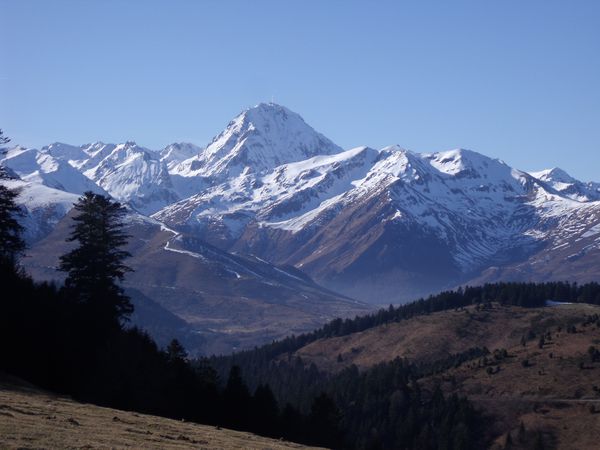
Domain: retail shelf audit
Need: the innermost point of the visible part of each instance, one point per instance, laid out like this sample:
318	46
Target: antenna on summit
272	99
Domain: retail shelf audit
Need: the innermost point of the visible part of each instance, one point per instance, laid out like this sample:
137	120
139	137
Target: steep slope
568	186
134	175
49	170
570	247
221	212
258	139
43	207
228	301
127	172
386	225
174	154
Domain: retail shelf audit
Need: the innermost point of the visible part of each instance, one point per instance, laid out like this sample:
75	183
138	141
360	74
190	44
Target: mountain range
272	202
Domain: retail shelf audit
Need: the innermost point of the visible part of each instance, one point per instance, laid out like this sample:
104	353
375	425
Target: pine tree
324	421
508	443
175	352
237	399
11	242
265	411
96	266
3	140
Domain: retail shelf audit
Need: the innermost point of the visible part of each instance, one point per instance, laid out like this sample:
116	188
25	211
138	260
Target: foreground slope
30	418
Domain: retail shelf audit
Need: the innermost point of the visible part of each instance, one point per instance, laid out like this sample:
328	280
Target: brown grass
32	419
552	396
435	336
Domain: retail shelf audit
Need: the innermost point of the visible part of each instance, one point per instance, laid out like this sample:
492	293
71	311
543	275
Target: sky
512	79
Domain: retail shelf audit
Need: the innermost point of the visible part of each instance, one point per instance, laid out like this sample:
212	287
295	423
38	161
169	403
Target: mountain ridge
378	224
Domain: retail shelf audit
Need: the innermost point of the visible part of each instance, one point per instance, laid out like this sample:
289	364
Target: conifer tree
11	242
266	410
96	266
237	399
3	140
176	352
324	421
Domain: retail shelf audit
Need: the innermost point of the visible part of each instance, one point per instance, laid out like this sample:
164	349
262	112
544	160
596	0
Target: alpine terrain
272	228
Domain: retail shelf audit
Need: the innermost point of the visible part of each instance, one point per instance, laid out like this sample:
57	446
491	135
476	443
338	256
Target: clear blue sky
518	80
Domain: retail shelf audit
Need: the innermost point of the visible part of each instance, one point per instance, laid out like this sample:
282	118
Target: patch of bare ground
33	419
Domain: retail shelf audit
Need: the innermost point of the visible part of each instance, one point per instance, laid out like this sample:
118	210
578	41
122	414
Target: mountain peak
556	174
261	138
464	162
270	107
173	154
266	115
568	186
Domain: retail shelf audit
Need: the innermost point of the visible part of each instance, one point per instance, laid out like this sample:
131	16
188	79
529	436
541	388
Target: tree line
527	295
379	407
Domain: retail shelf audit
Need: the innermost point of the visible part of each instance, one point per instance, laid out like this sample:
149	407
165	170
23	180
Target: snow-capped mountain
134	175
364	219
381	224
43	207
568	186
46	168
128	172
174	154
256	141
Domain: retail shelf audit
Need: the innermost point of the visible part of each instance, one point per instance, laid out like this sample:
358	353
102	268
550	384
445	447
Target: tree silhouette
237	399
3	140
266	410
176	352
96	266
324	421
11	242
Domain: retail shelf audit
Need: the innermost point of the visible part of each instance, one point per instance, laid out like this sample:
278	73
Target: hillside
552	387
31	418
431	337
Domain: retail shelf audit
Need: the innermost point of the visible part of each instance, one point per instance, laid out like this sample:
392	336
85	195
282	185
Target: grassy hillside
431	337
542	374
31	418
